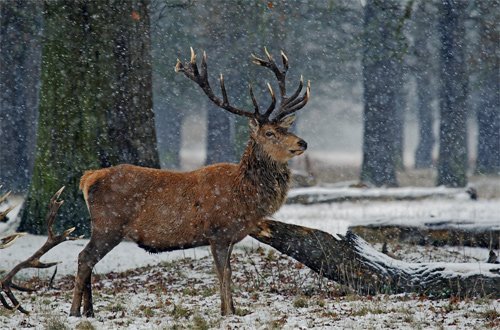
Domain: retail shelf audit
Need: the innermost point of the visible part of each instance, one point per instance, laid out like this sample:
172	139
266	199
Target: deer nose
302	144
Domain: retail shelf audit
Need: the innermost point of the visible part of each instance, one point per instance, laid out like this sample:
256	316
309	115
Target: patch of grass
277	323
6	312
208	291
242	311
365	310
200	323
190	291
271	256
331	314
115	308
55	323
147	311
84	325
490	315
300	302
180	312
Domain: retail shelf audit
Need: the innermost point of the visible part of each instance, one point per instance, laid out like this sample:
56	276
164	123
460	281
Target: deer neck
263	180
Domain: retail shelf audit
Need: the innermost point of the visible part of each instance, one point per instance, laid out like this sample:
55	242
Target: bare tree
452	163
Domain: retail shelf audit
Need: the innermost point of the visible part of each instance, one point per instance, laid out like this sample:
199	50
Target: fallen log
437	234
351	261
319	195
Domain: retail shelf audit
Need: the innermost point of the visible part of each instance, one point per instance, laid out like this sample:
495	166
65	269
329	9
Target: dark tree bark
452	163
219	142
352	262
225	28
169	127
95	107
381	71
423	77
488	108
399	121
20	57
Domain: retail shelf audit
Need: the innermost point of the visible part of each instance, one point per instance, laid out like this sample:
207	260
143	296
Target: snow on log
429	233
351	261
315	195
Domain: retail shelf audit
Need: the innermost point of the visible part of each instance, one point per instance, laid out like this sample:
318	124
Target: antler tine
254	101
273	102
204	72
190	70
223	90
284	58
295	105
271	64
280	76
297	92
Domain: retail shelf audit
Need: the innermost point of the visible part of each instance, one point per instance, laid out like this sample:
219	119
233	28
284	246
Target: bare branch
53	240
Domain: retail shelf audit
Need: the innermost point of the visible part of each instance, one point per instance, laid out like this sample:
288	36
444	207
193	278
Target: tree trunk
352	262
381	56
399	121
219	146
488	109
95	107
169	125
20	55
425	96
452	164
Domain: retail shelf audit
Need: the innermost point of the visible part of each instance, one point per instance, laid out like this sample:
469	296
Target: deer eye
270	134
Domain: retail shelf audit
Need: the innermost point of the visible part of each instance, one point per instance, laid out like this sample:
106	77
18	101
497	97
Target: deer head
270	132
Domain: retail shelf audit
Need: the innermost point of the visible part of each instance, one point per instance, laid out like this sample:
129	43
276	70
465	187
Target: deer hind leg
95	250
222	255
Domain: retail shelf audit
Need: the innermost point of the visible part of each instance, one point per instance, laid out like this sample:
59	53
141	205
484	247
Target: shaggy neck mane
261	174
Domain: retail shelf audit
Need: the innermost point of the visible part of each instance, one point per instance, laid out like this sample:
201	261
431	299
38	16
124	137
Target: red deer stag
217	205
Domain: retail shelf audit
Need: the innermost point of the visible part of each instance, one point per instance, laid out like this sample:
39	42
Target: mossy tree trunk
95	107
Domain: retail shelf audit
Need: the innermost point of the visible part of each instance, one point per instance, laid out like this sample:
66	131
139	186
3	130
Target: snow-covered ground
180	290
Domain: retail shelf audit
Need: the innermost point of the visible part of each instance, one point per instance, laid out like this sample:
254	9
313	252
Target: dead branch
34	261
3	214
352	262
9	240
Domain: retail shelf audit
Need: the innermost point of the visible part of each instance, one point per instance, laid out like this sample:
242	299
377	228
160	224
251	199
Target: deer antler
3	214
288	105
190	70
34	261
291	104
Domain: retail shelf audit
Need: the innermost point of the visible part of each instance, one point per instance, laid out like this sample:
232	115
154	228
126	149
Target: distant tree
424	72
172	25
452	163
96	104
382	55
225	28
488	84
20	58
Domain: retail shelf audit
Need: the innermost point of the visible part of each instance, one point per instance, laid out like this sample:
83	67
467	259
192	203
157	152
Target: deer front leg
222	255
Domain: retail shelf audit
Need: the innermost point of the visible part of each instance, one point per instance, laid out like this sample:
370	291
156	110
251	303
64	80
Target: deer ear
254	126
287	121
